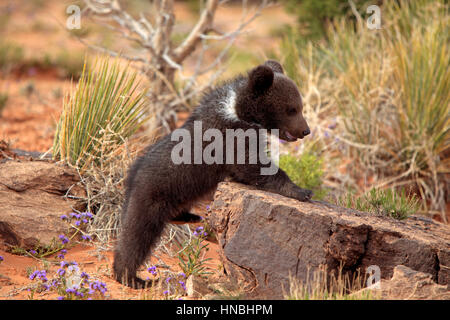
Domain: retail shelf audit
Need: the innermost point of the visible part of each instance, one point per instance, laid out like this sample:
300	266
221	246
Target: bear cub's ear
260	79
274	65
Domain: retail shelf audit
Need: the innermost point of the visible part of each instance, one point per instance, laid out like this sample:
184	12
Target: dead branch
163	62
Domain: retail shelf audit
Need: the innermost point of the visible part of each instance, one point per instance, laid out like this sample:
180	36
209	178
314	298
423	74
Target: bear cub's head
272	100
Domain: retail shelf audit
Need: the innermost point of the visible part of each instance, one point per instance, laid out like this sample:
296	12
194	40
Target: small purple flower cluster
152	270
71	266
83	216
173	286
61	254
182	284
98	286
80	218
1	258
39	274
63	239
83	290
199	232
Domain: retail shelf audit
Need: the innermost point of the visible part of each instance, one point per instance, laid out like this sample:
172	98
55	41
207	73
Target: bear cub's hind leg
186	217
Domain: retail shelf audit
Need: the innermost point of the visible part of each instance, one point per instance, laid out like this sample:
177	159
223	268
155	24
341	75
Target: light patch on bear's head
228	106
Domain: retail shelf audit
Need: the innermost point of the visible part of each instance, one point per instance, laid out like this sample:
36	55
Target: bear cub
158	191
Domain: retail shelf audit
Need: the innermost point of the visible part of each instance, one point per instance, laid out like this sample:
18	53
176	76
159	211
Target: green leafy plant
383	202
106	99
314	16
191	258
306	171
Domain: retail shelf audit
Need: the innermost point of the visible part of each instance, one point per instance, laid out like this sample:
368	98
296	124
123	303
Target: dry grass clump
323	285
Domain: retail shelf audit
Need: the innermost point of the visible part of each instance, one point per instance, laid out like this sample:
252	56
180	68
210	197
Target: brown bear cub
159	191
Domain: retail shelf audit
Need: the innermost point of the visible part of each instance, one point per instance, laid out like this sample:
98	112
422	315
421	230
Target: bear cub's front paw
303	194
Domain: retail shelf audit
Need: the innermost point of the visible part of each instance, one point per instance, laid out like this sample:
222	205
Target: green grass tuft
383	202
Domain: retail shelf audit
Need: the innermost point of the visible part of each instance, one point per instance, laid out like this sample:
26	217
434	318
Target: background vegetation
377	101
380	98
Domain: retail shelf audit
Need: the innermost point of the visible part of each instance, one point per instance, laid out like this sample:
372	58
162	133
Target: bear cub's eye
291	111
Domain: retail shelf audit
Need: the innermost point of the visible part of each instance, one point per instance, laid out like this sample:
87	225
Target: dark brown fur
158	191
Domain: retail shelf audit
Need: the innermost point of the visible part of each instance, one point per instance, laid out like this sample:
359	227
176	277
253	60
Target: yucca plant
422	78
106	100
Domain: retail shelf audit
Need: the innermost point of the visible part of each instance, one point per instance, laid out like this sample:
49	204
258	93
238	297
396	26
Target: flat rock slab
32	199
265	237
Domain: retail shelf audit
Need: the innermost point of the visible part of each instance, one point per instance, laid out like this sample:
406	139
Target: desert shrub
106	100
3	100
306	171
397	205
11	55
314	17
388	92
70	63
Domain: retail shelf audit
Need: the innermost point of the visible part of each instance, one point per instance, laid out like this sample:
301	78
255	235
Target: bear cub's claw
304	195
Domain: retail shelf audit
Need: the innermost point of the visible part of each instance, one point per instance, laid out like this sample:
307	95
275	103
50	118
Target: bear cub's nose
306	132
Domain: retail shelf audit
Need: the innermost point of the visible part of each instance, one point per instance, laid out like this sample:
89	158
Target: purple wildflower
152	270
64	217
98	286
63	239
89	215
39	274
198	231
